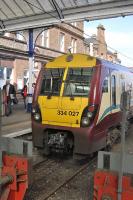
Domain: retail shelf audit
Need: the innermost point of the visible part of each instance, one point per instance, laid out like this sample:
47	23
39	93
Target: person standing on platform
33	88
9	95
24	94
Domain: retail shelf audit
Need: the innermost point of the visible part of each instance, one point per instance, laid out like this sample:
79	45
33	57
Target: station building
96	46
50	43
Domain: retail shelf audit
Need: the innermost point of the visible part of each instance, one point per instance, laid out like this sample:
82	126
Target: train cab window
105	85
78	81
52	80
113	85
123	86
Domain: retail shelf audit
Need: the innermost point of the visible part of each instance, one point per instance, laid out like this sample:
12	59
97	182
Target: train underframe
76	141
58	141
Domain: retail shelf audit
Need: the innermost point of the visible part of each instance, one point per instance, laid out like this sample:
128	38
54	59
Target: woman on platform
24	94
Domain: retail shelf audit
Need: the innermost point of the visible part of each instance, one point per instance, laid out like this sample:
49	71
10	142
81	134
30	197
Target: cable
110	47
31	4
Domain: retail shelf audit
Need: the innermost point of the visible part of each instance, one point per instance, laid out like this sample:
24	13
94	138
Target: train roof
84	60
72	60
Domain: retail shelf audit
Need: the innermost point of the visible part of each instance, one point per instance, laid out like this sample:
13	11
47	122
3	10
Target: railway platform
18	123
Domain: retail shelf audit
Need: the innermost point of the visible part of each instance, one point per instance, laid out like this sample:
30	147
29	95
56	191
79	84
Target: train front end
61	119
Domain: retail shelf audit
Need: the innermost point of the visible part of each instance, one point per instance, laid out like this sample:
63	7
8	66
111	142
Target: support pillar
31	67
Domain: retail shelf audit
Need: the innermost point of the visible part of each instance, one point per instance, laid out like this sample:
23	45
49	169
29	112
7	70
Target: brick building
49	44
97	46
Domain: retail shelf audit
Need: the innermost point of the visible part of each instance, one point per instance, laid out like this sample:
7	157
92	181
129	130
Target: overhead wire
124	55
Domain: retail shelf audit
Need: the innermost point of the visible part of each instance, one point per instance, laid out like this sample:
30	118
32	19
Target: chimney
102	46
100	33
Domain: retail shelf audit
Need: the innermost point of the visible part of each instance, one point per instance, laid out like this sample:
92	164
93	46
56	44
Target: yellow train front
66	106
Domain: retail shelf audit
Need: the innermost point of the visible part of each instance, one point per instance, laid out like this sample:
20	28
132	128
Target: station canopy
24	14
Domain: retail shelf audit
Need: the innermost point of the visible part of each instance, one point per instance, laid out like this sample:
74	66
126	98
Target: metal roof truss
24	14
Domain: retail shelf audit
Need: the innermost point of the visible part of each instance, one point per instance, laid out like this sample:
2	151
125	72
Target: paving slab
18	121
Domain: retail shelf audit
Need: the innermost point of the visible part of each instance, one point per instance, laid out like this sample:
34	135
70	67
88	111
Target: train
77	104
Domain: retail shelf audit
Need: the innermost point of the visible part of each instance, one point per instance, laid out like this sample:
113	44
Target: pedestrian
9	95
24	94
33	88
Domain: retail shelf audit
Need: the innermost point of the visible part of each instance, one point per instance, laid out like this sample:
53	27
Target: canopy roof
23	14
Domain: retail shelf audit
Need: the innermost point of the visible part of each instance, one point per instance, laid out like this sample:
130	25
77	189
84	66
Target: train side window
113	85
123	86
105	85
1	72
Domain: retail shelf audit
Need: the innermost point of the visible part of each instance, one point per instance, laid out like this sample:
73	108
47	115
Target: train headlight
89	114
33	110
37	116
36	113
85	121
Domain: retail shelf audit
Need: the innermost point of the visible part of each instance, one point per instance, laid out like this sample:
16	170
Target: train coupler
14	179
58	142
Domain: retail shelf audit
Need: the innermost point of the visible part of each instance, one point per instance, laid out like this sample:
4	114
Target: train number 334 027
70	113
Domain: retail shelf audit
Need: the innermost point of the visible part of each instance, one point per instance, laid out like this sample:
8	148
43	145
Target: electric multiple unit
76	107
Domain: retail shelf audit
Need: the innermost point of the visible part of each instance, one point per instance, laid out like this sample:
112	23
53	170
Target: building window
45	38
73	45
19	35
62	41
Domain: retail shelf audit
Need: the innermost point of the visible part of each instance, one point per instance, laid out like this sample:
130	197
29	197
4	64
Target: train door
50	94
105	101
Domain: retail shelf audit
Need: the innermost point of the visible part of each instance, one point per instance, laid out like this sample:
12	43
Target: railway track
52	175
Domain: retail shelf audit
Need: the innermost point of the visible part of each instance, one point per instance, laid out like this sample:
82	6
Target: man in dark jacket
9	95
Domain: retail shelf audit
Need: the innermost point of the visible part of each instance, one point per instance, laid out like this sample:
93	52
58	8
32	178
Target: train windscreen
78	81
52	80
